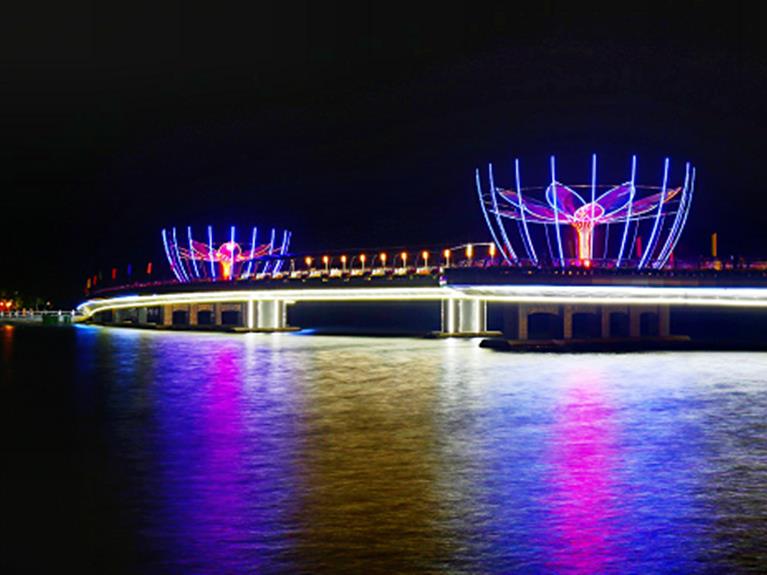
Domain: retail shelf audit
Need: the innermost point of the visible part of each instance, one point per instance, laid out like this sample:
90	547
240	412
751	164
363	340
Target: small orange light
492	250
383	257
343	259
586	263
425	255
325	260
469	250
308	261
446	253
403	255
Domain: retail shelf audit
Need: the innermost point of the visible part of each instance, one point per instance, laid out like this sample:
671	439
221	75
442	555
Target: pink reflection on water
220	473
583	498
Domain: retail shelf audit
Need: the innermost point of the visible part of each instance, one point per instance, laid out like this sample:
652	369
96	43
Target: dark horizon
357	126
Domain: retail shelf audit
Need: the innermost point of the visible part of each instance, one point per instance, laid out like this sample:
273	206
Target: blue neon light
211	253
283	249
556	211
529	243
178	257
658	263
484	212
493	195
654	233
684	218
191	252
628	212
253	237
167	255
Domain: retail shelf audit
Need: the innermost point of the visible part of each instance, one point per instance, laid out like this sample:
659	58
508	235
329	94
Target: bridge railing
401	262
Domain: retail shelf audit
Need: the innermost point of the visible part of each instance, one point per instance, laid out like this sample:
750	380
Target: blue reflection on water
287	454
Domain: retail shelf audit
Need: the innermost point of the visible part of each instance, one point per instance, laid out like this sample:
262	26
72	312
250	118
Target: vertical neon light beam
191	252
253	237
556	212
662	257
529	245
628	211
167	255
498	220
593	198
178	257
271	251
684	219
211	252
283	249
651	242
231	273
484	213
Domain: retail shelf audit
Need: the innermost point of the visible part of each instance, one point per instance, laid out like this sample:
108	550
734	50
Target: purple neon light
191	250
167	255
528	242
618	204
653	235
211	252
484	211
175	251
504	235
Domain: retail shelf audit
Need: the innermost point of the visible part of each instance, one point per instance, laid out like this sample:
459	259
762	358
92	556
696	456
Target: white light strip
614	295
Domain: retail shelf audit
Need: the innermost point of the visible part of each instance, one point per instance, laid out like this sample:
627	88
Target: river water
128	451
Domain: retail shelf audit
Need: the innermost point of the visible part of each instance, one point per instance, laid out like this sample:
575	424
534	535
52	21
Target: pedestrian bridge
463	293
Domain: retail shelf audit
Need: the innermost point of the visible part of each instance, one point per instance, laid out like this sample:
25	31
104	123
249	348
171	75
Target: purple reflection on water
584	500
220	488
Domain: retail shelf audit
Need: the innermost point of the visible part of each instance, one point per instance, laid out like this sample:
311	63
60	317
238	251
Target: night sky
357	125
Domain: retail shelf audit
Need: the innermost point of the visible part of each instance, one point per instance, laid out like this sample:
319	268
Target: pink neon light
585	498
611	207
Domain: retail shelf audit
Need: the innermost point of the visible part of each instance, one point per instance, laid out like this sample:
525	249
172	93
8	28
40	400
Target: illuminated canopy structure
192	260
622	226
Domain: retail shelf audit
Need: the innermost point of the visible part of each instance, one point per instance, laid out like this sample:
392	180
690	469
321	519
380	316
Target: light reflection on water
258	453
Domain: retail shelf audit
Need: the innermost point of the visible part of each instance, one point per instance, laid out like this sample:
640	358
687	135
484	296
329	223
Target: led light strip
529	245
614	295
494	197
555	205
628	213
484	212
653	235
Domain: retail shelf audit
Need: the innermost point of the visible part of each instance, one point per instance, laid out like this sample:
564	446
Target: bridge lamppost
343	263
469	252
326	261
382	257
491	251
446	254
403	255
425	258
308	261
363	257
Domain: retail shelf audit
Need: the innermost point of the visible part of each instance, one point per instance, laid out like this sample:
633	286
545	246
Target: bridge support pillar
266	315
635	325
464	317
217	318
192	314
142	314
567	322
604	322
664	321
167	315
